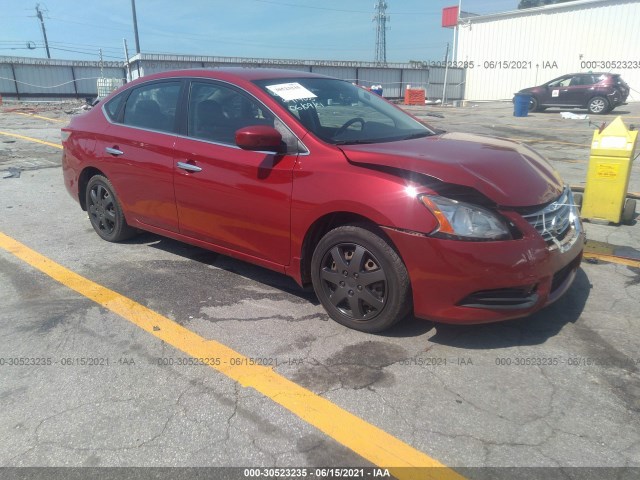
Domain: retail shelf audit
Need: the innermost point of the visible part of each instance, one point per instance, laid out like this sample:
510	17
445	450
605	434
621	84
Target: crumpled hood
510	174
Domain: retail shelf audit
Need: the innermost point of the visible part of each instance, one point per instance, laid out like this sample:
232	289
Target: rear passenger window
582	80
114	105
153	106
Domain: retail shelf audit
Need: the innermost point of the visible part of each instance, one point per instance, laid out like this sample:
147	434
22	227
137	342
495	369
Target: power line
61	46
84	52
110	27
84	45
313	7
197	37
285	4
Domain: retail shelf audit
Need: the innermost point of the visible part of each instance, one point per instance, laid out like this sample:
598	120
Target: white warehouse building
508	51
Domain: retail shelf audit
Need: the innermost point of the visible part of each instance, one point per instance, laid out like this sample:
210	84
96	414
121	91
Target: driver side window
563	82
216	112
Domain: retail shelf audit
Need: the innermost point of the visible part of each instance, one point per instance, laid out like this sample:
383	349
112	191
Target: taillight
64	135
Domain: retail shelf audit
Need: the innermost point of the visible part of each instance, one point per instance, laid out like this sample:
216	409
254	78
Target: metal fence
394	77
25	78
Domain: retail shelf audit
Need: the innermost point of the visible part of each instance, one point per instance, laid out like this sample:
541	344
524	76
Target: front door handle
188	167
114	151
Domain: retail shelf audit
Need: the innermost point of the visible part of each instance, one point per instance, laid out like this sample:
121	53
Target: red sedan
323	181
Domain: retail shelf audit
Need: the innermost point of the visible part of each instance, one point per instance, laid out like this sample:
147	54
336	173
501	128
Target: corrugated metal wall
455	83
6	80
544	43
345	73
41	78
86	77
394	78
390	79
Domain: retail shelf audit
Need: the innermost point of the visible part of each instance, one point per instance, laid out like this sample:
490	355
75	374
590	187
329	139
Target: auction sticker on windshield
290	91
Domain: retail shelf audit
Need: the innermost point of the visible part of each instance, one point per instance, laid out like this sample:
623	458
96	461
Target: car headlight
465	221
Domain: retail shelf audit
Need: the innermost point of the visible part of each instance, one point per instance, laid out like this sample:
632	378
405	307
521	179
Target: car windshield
341	113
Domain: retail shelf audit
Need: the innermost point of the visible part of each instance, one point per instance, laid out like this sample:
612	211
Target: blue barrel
521	104
377	89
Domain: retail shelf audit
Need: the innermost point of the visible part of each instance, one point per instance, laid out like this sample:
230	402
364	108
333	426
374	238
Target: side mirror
260	138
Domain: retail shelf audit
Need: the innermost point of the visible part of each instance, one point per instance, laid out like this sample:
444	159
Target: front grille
553	222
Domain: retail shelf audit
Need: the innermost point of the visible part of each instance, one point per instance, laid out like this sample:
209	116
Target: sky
288	29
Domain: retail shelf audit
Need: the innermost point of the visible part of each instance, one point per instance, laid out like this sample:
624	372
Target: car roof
590	73
582	73
567	75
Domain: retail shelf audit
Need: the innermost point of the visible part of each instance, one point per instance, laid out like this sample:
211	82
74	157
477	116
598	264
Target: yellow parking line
30	139
41	117
526	128
613	259
368	441
540	140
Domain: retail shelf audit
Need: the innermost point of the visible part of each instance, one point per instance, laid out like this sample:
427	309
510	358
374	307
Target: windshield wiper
383	139
417	135
355	142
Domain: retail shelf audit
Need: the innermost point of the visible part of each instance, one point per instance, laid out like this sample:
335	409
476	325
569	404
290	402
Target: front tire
360	280
105	212
577	200
628	211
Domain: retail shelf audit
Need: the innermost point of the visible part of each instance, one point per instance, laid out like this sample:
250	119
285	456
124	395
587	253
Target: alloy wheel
598	105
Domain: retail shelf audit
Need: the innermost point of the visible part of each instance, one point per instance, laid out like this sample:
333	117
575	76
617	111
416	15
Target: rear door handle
188	167
113	151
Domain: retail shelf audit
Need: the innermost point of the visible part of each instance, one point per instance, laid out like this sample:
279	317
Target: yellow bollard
608	175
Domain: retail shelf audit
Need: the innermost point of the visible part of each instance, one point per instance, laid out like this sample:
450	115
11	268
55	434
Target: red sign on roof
450	16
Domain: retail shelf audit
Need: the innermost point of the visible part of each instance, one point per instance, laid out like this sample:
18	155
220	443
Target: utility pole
44	31
126	59
135	25
446	71
381	18
454	52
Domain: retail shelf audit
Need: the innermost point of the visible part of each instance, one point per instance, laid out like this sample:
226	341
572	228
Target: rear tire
360	279
105	212
599	105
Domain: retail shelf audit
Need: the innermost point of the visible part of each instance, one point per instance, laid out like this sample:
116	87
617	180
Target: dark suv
597	92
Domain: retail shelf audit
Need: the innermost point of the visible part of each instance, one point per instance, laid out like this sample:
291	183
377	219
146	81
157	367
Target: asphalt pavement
83	386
